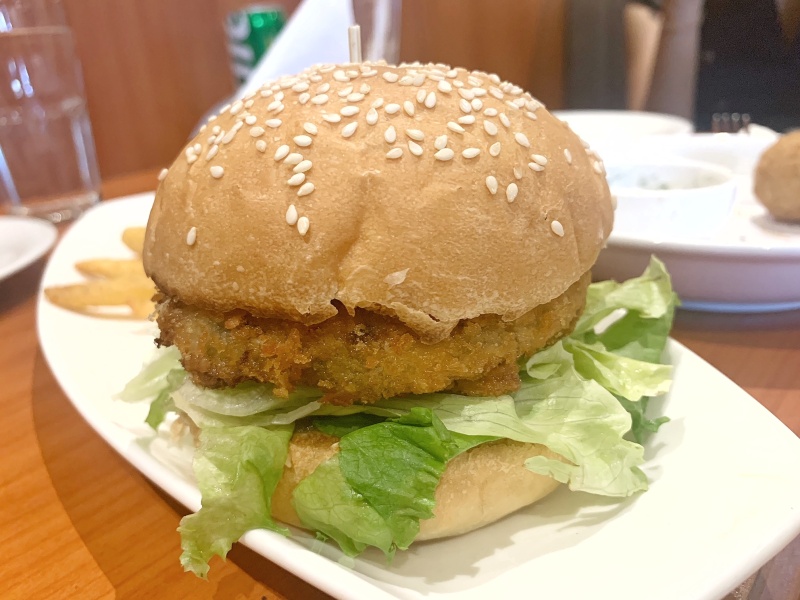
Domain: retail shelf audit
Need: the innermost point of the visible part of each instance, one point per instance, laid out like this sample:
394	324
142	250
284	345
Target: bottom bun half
478	487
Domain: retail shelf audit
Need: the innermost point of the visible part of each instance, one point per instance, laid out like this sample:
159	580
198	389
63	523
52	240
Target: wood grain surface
77	521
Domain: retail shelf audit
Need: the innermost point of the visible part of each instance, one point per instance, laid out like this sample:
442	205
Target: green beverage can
250	33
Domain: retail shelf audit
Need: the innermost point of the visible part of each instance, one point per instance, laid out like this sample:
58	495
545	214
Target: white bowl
668	199
599	127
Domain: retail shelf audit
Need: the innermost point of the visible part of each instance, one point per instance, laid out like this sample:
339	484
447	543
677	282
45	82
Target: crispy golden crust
366	356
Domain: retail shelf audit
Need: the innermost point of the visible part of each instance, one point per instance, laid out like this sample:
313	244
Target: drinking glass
48	166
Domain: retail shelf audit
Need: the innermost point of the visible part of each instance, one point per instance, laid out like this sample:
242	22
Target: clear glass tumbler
48	165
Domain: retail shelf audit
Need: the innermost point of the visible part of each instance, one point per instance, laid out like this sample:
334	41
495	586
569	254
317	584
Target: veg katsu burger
358	266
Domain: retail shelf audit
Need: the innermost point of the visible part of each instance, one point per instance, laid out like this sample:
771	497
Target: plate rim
45	238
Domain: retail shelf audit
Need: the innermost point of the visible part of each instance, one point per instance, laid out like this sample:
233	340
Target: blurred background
152	68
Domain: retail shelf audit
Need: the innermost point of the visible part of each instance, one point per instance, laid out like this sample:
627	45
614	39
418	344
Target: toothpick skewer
354	37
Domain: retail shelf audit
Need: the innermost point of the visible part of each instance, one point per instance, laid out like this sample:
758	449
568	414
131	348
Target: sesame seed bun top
428	193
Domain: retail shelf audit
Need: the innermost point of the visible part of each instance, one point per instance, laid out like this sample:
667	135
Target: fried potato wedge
133	238
94	297
109	268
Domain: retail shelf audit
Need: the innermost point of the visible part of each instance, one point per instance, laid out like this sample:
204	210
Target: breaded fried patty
366	356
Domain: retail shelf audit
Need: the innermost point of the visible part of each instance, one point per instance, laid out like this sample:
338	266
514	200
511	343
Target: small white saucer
23	241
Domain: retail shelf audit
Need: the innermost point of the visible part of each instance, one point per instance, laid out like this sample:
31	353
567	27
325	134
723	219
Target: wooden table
77	521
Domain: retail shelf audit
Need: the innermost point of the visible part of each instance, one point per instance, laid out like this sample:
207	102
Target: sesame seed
339	75
419	80
240	269
390	135
464	106
490	127
430	100
377	103
372	116
212	152
444	154
251	119
420	96
369	73
496	93
303	140
539	159
415	134
490	112
444	87
281	152
291	215
531	115
390	77
300	87
453	126
478	91
319	99
392	109
408	106
349	129
280	96
322	88
305	189
163	174
279	109
452	73
414	148
465	93
467	120
256	131
474	81
517	173
494	78
510	104
302	166
315	78
364	89
406	80
261	146
355	97
310	128
351	74
191	159
197	148
511	192
598	167
441	142
394	153
331	118
217	171
294	158
191	237
471	152
273	105
302	225
304	98
505	120
349	111
557	228
491	183
215	130
265	93
535	167
237	106
522	140
533	105
274	123
477	104
568	156
296	179
228	137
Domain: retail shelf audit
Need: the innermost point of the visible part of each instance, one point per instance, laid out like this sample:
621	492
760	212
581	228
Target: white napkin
316	33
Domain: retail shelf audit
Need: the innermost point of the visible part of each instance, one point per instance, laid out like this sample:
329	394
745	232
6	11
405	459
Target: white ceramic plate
22	242
599	127
725	493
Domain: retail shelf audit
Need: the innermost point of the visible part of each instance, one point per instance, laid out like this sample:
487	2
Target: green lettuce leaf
385	482
152	379
237	470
